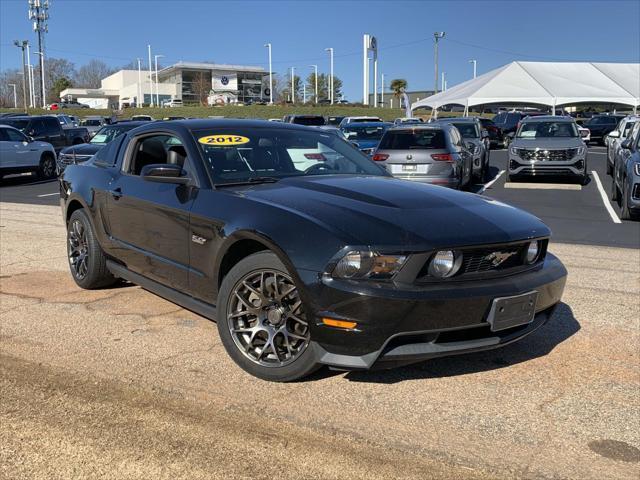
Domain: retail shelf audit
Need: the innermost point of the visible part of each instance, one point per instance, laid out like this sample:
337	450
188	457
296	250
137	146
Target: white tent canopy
546	83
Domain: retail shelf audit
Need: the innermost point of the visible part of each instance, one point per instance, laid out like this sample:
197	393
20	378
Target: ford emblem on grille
496	258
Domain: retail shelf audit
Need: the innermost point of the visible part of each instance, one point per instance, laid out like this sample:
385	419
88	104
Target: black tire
513	178
613	193
47	167
609	167
303	364
625	211
87	261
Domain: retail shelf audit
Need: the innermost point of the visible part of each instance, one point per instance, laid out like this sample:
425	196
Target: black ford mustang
305	251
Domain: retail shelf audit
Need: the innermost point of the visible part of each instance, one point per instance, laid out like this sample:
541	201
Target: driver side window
157	149
14	136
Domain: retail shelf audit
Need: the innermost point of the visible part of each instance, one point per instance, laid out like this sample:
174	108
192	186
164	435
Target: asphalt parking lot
119	383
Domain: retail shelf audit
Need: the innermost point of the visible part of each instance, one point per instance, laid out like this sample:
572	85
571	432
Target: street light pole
293	86
139	100
437	36
44	94
151	102
330	50
23	44
15	97
474	67
268	45
157	89
32	98
443	81
315	69
382	90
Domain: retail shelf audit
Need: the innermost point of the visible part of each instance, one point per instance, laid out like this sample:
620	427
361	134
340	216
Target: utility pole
15	97
293	81
315	69
330	50
150	77
156	57
32	97
437	36
268	45
382	90
23	45
140	99
39	13
474	67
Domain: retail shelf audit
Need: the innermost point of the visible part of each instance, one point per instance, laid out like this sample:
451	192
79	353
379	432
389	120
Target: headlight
636	168
445	263
357	265
513	150
580	150
533	250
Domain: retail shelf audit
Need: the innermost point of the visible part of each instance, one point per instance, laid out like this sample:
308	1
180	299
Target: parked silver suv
548	145
477	141
431	153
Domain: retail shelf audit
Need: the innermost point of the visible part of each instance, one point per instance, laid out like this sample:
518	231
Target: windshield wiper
249	181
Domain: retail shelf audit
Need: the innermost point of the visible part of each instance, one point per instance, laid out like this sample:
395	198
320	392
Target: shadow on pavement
20	180
560	327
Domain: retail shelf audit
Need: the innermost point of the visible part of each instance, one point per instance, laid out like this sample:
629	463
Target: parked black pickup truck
45	128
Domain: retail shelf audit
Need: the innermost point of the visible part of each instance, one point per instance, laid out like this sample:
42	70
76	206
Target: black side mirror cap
164	173
626	144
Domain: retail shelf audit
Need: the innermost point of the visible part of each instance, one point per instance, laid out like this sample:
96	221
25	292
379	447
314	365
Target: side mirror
485	134
626	144
164	173
30	139
614	134
584	133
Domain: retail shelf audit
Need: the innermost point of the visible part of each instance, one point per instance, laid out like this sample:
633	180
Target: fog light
513	164
444	263
532	251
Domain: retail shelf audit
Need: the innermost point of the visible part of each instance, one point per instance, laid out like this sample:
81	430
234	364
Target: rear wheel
87	261
609	167
47	167
625	211
613	194
262	322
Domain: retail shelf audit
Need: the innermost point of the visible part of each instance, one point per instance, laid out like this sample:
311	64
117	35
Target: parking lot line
605	199
488	184
544	186
48	194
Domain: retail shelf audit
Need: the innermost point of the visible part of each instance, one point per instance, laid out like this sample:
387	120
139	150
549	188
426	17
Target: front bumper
449	182
413	323
576	166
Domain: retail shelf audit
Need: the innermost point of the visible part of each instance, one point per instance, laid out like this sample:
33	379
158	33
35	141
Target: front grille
539	154
488	261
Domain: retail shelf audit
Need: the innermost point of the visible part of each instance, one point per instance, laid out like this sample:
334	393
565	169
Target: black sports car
304	251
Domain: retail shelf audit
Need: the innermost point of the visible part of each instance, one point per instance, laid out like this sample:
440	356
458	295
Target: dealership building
186	81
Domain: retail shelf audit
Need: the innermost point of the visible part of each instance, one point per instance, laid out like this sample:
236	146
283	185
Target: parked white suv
174	102
614	139
19	154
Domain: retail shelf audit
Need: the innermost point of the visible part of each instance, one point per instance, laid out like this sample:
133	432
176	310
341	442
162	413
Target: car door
26	154
53	133
7	151
148	222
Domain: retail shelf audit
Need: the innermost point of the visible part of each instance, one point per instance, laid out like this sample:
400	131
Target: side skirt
205	309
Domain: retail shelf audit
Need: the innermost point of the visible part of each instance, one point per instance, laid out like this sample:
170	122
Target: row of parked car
623	164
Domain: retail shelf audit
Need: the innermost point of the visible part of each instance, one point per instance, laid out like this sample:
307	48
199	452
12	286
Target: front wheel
47	167
262	322
87	261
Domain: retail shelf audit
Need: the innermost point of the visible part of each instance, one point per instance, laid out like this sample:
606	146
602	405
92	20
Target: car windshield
106	134
364	133
506	118
309	120
602	121
547	130
19	124
90	123
238	155
468	130
413	140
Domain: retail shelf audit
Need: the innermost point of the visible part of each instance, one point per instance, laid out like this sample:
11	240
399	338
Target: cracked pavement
120	383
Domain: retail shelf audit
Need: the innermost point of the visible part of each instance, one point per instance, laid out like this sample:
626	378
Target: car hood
551	143
83	149
371	210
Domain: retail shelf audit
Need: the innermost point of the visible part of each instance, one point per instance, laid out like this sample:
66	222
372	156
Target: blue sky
493	32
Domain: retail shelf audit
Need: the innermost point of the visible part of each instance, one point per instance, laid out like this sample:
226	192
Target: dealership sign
224	81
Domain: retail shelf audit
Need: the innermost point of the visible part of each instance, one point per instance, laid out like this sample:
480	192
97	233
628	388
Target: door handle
116	193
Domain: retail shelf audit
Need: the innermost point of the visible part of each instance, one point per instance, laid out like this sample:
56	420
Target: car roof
205	123
367	124
547	118
422	126
458	120
135	123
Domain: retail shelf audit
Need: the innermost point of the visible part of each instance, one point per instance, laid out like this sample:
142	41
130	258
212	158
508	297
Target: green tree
323	86
60	84
398	85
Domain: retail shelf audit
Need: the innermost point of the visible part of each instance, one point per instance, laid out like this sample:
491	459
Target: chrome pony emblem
496	258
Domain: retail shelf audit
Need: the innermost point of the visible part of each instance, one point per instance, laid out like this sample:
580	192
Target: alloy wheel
78	249
48	167
266	319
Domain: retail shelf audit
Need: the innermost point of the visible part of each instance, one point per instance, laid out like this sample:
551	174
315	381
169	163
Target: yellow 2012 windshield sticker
223	140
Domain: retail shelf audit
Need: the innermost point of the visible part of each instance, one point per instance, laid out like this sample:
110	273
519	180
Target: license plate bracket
411	167
508	312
